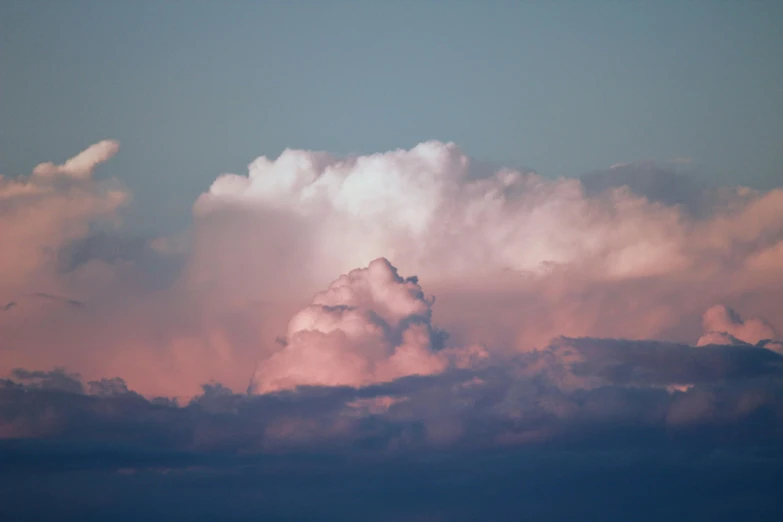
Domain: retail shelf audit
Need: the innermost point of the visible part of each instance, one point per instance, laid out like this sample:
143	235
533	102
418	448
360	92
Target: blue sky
193	89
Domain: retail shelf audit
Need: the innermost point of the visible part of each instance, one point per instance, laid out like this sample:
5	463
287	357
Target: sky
431	261
195	89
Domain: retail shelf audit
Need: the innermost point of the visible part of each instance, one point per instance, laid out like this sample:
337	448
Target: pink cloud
722	325
515	259
83	164
41	213
370	325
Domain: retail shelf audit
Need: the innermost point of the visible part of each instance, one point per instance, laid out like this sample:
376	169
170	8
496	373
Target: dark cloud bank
591	429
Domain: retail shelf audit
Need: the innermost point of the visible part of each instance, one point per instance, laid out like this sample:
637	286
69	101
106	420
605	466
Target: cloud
426	209
722	325
370	325
545	257
516	260
574	392
654	182
113	387
83	164
69	265
423	208
588	363
43	212
55	380
596	407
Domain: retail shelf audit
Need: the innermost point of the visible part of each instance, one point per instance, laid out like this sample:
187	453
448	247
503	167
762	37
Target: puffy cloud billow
293	315
432	212
370	325
425	209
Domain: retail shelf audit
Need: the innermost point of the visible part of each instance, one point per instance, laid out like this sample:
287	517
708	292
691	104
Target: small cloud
722	325
55	380
114	387
82	165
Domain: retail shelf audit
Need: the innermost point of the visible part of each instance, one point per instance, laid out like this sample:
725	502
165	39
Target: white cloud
423	208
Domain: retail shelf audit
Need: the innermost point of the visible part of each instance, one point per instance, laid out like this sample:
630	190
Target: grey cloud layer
586	386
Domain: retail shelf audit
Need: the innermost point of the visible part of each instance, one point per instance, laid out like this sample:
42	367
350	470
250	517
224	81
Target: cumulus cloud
722	325
422	207
370	325
516	260
632	253
426	209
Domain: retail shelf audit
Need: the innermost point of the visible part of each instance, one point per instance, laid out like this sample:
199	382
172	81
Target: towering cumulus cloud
426	208
518	258
371	325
